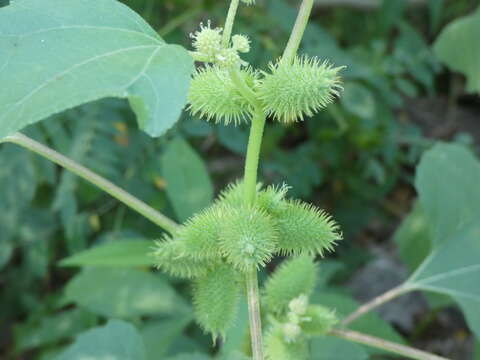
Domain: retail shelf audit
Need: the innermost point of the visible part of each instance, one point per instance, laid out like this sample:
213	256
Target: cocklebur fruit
293	278
303	228
173	257
213	95
301	88
215	299
248	237
200	233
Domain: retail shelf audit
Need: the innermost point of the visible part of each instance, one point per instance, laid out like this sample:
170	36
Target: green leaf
115	253
454	269
63	54
461	37
190	356
52	329
329	348
117	340
189	187
122	293
413	238
358	100
452	204
447	182
160	335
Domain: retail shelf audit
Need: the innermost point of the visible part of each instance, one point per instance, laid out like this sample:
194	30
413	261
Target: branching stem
379	300
227	30
107	186
298	30
399	349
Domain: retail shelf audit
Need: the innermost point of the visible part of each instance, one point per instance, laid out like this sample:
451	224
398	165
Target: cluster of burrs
226	241
288	91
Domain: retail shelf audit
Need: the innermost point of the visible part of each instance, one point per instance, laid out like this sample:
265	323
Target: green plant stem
227	29
253	156
254	315
244	89
399	349
107	186
379	300
298	30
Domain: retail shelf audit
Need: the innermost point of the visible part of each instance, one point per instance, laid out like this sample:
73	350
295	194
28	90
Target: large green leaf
123	293
447	182
117	340
454	269
189	187
115	253
459	48
57	54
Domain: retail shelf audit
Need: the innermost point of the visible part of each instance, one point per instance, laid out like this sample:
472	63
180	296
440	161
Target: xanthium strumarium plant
221	248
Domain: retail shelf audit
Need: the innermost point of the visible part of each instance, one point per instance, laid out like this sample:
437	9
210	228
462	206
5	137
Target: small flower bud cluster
207	42
296	315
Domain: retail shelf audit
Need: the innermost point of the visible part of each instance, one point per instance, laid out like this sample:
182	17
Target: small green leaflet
117	340
459	48
57	54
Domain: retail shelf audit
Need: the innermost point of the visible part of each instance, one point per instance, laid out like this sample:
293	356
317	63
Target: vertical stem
227	29
250	184
253	156
254	315
298	30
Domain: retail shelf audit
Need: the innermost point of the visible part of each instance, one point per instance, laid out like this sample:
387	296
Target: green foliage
301	88
293	278
188	184
103	342
135	292
121	253
48	83
305	229
461	37
215	296
328	348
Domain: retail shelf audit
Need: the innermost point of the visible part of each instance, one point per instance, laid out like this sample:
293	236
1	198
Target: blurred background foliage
355	159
